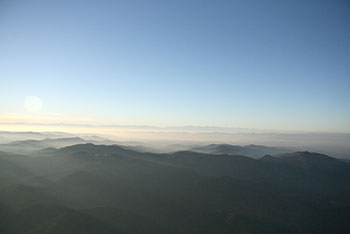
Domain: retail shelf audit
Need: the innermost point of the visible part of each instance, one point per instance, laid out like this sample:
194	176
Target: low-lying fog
163	141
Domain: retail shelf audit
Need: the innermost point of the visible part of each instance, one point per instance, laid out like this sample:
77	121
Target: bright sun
33	104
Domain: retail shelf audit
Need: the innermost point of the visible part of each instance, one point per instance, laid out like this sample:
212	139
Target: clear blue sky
281	65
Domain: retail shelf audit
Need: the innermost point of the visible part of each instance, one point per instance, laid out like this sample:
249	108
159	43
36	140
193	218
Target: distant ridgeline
87	188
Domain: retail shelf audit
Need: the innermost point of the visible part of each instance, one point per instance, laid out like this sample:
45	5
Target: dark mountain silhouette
91	188
254	151
28	146
7	137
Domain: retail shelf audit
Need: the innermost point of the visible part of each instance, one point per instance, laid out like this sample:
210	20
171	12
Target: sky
267	65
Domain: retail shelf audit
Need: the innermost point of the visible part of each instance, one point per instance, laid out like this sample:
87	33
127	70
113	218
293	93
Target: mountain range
28	146
88	188
254	151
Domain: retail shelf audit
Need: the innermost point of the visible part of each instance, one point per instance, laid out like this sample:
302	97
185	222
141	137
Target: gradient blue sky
281	65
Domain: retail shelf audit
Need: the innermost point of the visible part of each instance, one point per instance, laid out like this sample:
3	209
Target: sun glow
33	104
